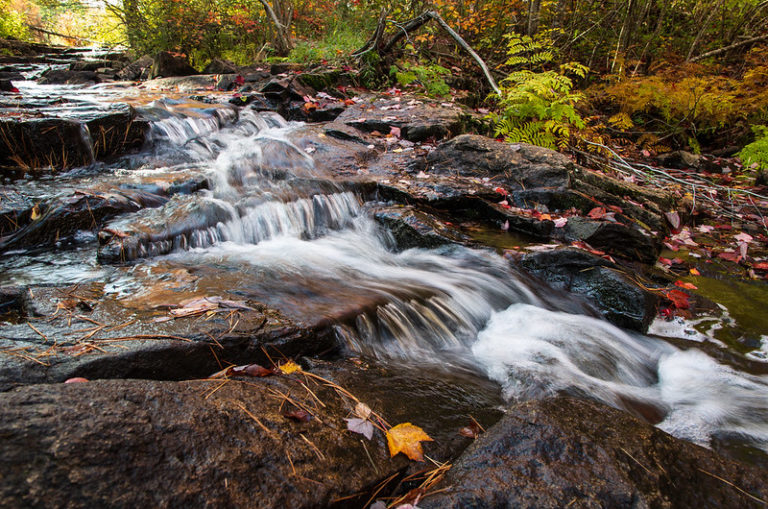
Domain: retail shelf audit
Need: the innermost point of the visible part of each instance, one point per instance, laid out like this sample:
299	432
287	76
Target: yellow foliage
406	438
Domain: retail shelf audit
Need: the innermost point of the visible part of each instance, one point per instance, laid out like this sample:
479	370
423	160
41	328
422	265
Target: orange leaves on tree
406	438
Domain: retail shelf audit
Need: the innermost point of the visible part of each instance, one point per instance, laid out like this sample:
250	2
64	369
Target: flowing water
277	227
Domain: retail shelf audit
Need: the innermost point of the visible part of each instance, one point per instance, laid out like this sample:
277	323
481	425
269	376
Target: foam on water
533	352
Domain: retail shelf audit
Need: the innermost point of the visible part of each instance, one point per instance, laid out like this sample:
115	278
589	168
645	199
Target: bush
429	76
756	153
12	23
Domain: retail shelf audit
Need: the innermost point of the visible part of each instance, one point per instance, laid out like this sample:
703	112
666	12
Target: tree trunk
534	11
283	44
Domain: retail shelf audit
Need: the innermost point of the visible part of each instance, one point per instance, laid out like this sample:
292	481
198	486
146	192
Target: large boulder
564	452
136	70
167	64
205	443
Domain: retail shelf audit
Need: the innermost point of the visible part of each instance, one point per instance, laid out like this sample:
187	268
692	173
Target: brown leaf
250	370
298	415
406	438
472	430
674	219
361	426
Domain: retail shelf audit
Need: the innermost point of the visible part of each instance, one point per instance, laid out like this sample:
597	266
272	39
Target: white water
319	254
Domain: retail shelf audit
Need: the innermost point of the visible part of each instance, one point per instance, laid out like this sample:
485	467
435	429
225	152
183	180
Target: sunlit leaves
406	438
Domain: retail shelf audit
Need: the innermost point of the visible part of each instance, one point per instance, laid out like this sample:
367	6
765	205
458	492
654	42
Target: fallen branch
720	51
414	24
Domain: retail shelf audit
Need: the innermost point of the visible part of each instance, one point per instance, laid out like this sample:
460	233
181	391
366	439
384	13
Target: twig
729	483
45	338
314	447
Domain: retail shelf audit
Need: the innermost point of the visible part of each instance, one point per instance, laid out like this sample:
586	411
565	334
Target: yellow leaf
406	438
35	214
289	367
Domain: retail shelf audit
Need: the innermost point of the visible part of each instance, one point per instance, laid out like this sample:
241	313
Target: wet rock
53	221
219	66
620	300
685	160
256	101
419	121
181	224
415	228
96	331
166	65
196	83
116	131
40	143
324	81
285	90
618	239
134	443
323	113
6	85
561	452
11	299
91	65
59	77
139	69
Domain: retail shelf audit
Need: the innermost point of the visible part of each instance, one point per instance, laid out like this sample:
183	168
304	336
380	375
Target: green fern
537	105
756	153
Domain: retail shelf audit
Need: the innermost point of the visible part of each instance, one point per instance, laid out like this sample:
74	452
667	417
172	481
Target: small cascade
85	134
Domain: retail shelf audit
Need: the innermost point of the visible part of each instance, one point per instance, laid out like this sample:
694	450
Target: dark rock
41	143
186	84
684	160
629	242
561	452
256	101
321	81
90	65
762	178
136	70
167	65
116	132
6	85
11	75
323	113
138	443
285	90
416	228
620	300
218	66
11	299
58	77
285	67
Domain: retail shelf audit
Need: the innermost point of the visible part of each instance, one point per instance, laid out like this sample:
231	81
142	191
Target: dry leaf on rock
406	438
361	426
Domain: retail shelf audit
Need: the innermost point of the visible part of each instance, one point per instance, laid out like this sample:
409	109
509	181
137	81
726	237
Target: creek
272	226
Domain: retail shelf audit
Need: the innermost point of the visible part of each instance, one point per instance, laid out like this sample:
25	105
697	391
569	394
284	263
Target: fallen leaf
501	191
406	438
743	249
674	219
560	222
596	213
75	380
362	426
678	298
705	228
761	266
472	430
694	272
394	131
731	257
743	237
289	367
687	286
362	410
34	215
298	415
251	370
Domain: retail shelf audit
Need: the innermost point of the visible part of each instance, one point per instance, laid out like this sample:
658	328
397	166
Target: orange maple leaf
406	438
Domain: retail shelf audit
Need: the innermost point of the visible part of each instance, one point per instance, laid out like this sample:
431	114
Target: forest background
649	76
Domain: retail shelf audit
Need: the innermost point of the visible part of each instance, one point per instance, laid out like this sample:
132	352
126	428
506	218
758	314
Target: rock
325	81
11	74
11	299
140	337
136	70
116	131
6	85
417	122
629	242
219	66
415	228
168	65
285	67
57	219
560	452
136	443
40	143
326	112
90	65
285	90
58	77
620	300
185	84
685	160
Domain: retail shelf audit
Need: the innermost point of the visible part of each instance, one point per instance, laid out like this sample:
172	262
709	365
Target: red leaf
731	257
687	286
75	380
665	261
679	299
596	213
239	80
15	90
501	191
298	415
760	266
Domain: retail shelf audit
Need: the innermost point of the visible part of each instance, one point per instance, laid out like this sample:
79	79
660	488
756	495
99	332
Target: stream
274	227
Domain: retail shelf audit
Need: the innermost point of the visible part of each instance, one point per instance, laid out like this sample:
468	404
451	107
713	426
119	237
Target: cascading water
321	254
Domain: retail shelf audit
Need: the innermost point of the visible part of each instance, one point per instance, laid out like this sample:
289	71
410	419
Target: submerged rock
565	452
415	228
